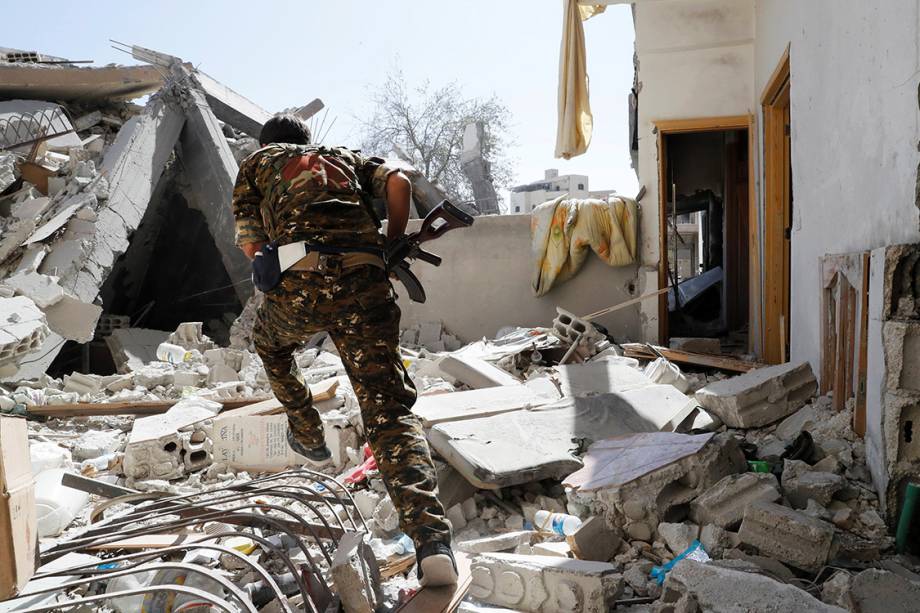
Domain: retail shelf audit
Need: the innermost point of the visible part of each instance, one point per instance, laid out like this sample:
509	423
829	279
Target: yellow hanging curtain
575	122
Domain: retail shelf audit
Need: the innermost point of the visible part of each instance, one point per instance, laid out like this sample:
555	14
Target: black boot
436	565
316	458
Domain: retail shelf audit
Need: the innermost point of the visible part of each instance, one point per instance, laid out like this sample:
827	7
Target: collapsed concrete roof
62	240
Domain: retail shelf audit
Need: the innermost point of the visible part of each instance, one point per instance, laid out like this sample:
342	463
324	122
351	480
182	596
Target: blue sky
284	54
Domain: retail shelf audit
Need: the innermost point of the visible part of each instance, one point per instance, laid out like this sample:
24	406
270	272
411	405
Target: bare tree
425	125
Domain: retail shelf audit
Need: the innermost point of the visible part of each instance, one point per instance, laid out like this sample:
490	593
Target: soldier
290	191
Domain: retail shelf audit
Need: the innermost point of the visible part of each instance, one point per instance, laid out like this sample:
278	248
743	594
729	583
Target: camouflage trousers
357	307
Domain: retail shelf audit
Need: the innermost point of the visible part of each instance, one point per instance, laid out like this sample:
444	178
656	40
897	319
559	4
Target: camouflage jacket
290	193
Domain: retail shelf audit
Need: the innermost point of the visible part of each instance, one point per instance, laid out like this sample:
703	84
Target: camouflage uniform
291	193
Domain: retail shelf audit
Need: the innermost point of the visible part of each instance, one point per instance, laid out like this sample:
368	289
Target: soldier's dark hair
285	128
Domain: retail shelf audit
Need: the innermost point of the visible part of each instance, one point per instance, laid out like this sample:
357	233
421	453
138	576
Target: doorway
777	156
706	200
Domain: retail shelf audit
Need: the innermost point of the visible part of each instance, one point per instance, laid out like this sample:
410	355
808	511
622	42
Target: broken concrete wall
84	256
893	393
485	284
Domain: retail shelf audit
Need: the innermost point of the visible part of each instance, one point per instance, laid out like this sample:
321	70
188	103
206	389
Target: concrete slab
232	108
602	376
723	590
472	404
132	348
73	319
522	446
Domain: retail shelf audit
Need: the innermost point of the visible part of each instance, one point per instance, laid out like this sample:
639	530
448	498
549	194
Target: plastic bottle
56	506
560	523
174	354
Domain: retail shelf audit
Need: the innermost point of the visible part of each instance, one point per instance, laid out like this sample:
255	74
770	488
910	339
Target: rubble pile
625	491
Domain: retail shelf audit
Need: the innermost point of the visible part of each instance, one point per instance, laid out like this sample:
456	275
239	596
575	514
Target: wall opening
705	224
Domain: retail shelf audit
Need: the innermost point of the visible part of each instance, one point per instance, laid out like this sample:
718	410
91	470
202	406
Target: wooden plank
636	350
840	369
324	390
859	413
397	566
851	340
827	333
442	599
93	409
703	124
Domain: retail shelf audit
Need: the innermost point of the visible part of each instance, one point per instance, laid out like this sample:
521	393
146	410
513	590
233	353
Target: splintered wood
844	330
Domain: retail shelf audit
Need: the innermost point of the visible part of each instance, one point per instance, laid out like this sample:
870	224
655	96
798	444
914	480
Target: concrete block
678	536
787	535
882	591
803	419
595	540
158	446
232	108
44	290
190	335
716	540
348	578
82	384
133	348
902	355
723	504
801	483
498	542
457	520
475	372
73	319
23	328
716	589
761	396
542	584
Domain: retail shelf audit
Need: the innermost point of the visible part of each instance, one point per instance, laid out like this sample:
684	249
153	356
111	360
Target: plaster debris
724	503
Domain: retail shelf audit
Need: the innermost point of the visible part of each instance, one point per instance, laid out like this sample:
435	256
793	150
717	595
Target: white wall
854	110
696	60
485	284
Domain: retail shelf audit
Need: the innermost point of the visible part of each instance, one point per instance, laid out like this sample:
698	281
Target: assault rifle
441	219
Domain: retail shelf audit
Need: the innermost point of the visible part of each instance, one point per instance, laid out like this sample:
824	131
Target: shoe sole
438	570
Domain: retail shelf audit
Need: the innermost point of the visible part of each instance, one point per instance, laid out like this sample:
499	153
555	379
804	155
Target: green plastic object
907	515
759	466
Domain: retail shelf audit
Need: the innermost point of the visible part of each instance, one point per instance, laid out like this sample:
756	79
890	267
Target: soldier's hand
250	249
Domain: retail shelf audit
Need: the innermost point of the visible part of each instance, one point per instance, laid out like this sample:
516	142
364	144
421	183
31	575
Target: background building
525	197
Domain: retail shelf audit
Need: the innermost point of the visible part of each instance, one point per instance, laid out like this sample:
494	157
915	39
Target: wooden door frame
776	271
681	126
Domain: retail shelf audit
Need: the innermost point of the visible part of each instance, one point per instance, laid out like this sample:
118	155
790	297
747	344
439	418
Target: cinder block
499	542
476	373
787	535
761	396
902	355
723	504
23	328
595	540
801	484
544	584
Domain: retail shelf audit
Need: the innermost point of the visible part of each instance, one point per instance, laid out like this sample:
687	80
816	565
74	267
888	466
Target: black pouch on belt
266	268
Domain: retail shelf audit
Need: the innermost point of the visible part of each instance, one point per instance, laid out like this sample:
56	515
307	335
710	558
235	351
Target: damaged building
709	404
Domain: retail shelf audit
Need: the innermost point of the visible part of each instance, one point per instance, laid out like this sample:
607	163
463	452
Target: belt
322	262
